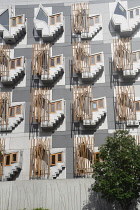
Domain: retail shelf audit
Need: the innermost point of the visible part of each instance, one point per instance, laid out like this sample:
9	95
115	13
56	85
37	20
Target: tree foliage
117	176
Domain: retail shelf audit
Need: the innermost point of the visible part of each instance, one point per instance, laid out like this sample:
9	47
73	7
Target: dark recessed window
58	105
13	21
53	160
20	20
134	57
12	111
53	107
98	58
13	64
59	157
131	14
14	157
58	60
18	62
18	110
7	162
92	60
58	18
52	20
52	62
137	11
138	106
100	103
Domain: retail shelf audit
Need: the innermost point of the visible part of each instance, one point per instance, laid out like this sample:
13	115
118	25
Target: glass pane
131	14
20	20
58	60
98	58
53	20
14	22
52	107
97	19
93	60
18	110
58	18
94	105
52	62
53	159
14	157
18	62
134	57
137	11
137	106
59	157
100	103
58	105
12	112
91	21
12	64
8	160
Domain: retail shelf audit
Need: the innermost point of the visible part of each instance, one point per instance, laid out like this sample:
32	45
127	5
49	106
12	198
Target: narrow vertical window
131	14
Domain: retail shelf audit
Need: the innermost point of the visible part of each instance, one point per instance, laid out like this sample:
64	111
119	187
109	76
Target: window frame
13	107
131	12
56	18
51	20
95	153
56	60
60	105
51	164
98	19
13	18
14	63
60	153
95	58
17	62
5	160
12	157
92	20
139	105
102	102
54	107
20	109
95	110
53	58
18	19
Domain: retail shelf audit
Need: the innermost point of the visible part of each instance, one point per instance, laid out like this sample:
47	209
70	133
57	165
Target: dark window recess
52	20
137	11
137	106
18	62
52	107
98	58
131	14
14	157
58	60
58	19
14	22
53	159
18	111
12	112
8	160
59	157
52	62
58	105
100	103
19	20
12	64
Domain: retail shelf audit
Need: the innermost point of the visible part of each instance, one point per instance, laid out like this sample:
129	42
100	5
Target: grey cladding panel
42	16
4	19
120	10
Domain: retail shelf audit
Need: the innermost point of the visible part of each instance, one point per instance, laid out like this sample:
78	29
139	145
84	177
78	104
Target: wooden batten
4	60
83	155
82	102
40	105
4	108
41	59
81	57
125	103
2	151
80	18
40	158
123	57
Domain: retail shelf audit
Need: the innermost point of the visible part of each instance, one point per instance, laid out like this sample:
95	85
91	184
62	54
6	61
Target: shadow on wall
95	202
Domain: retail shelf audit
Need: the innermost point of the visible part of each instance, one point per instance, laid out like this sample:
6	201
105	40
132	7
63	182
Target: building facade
69	77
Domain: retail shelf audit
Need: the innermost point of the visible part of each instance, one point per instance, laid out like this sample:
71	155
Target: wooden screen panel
4	108
83	155
125	103
4	60
40	158
80	18
2	151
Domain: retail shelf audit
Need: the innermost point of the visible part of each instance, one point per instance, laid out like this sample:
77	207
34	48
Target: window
7	160
58	18
14	158
12	111
101	103
58	60
13	21
131	14
18	110
19	19
52	62
91	21
134	57
97	19
53	159
92	60
94	106
59	157
52	20
98	58
12	64
52	107
137	105
19	62
58	105
98	104
137	11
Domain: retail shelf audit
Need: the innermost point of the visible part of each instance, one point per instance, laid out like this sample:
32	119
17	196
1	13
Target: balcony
48	26
49	114
86	110
124	21
88	67
11	114
12	28
13	161
125	105
48	68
